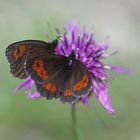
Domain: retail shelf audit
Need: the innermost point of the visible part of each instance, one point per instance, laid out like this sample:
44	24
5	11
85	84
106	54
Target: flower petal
102	96
35	95
121	70
85	100
24	84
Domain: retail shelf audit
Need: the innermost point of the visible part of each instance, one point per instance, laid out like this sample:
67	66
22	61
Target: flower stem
74	122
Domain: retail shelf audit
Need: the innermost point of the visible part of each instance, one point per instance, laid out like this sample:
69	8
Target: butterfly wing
17	54
77	84
48	72
53	78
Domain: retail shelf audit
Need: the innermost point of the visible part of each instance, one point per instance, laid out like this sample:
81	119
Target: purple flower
28	84
90	53
85	100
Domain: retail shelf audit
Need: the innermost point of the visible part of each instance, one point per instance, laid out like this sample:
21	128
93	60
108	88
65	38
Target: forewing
48	72
17	54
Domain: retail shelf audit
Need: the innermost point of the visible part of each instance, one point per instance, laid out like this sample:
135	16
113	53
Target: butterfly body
55	76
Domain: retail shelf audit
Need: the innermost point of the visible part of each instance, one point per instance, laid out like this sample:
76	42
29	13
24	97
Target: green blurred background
23	119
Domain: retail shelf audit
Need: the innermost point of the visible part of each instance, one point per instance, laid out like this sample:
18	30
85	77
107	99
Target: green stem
74	123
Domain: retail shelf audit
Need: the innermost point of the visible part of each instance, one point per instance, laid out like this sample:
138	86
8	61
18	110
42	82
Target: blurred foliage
22	119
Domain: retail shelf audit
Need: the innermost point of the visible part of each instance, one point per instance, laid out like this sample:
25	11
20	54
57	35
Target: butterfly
55	76
18	53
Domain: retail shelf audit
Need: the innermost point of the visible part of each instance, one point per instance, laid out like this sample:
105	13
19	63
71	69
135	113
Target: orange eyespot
18	53
67	92
85	84
75	87
84	81
53	90
81	84
50	87
38	66
78	85
85	78
42	74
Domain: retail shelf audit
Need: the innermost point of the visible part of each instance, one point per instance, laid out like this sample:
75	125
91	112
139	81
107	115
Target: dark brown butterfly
59	77
55	76
18	53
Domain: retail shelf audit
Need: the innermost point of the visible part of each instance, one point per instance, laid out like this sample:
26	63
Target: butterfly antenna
60	39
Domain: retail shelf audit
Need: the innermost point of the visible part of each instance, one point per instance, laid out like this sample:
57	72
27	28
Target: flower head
90	53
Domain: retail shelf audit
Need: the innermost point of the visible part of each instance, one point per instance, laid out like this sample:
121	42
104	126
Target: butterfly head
72	56
71	59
